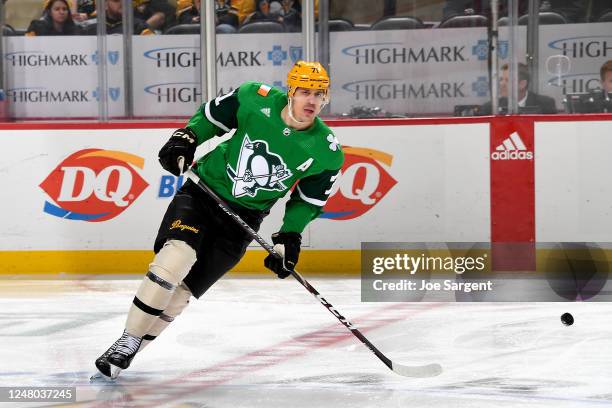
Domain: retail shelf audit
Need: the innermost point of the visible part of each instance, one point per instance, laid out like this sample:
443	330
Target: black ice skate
124	353
122	348
102	363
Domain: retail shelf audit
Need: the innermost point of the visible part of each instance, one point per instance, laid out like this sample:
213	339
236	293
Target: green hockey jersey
265	158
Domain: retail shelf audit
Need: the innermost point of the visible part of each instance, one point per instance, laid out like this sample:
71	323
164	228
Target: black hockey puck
567	319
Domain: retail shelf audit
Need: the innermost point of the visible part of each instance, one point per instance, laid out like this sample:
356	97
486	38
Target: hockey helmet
310	75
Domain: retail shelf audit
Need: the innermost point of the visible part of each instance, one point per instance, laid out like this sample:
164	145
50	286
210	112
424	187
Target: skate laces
128	344
112	348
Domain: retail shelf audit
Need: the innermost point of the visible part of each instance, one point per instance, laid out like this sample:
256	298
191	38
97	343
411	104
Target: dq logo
363	182
94	185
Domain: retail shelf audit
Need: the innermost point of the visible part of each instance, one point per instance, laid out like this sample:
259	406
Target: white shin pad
178	303
169	267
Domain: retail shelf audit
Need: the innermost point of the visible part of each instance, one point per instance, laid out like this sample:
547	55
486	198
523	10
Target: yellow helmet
310	75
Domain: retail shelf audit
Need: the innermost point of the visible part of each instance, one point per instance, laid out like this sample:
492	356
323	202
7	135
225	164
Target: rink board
422	180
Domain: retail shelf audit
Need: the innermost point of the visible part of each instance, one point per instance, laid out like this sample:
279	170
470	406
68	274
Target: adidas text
512	155
512	148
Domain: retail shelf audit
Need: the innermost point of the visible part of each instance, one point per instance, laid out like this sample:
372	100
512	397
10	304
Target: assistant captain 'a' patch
263	90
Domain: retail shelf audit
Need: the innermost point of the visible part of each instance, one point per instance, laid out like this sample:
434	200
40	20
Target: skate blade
114	371
98	376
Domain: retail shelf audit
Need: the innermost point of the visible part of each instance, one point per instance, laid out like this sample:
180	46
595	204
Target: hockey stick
429	370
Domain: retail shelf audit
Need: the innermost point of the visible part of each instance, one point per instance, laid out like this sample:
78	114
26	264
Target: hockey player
279	141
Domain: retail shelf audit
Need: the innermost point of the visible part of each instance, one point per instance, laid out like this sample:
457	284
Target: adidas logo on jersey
512	148
265	111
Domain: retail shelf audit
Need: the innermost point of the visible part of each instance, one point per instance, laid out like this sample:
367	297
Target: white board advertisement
573	188
421	183
570	58
408	71
57	77
167	82
104	189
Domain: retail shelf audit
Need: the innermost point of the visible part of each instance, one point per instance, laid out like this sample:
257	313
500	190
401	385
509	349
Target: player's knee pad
173	262
178	302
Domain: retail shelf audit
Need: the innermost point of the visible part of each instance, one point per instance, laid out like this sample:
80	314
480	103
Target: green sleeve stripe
298	215
202	127
213	120
309	200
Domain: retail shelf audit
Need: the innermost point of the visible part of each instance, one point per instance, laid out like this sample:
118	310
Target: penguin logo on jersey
257	168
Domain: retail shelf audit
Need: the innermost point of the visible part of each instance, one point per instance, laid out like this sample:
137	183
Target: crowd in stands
66	17
78	17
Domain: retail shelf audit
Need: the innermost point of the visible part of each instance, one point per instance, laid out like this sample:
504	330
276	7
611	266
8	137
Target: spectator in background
263	12
244	8
188	13
530	101
605	74
158	14
240	8
83	10
598	100
225	13
56	20
290	15
183	4
114	21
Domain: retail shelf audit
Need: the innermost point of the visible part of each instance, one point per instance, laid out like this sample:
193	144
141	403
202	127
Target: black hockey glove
182	143
286	244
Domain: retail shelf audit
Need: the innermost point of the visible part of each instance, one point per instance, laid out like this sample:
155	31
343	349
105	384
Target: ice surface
269	343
